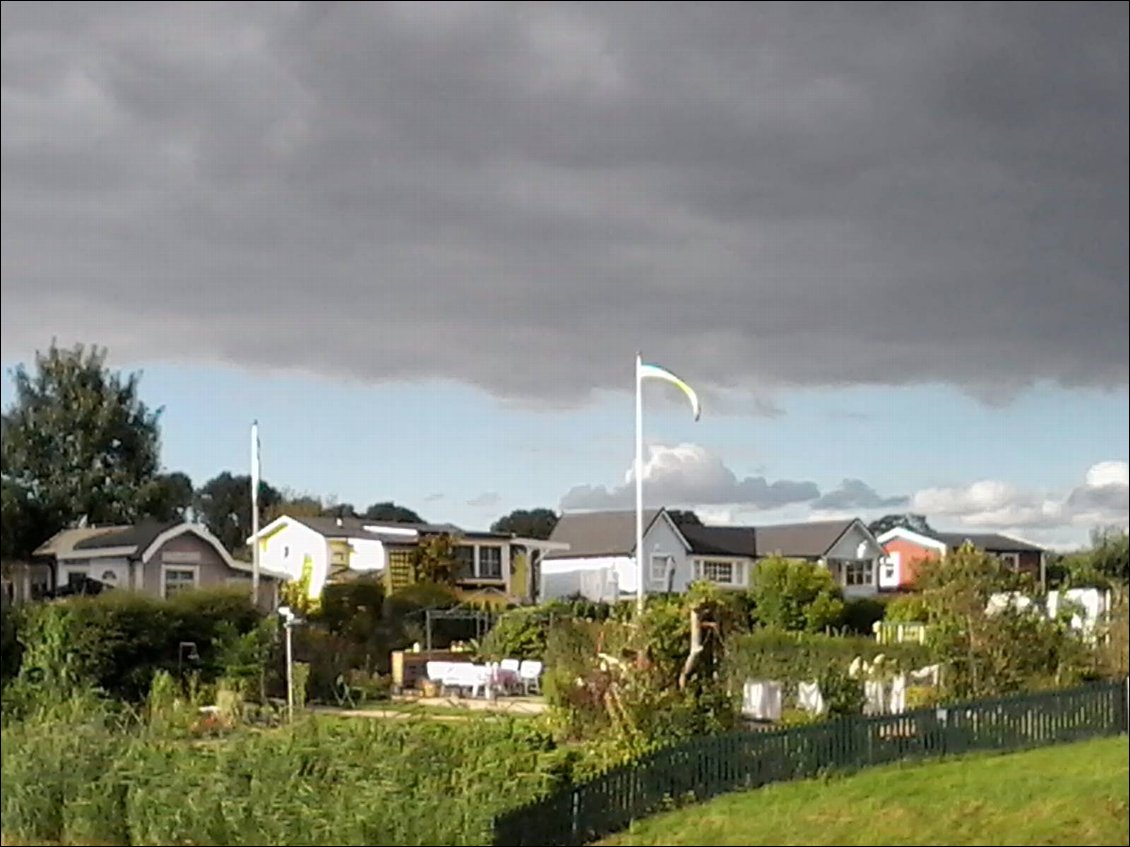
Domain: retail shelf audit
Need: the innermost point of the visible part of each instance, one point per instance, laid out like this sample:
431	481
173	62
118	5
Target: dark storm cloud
520	196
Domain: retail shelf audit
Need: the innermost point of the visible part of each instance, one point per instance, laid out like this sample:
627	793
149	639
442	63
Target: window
490	563
723	573
1010	560
659	562
76	576
177	580
464	561
859	572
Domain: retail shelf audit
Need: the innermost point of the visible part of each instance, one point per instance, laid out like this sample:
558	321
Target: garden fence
709	766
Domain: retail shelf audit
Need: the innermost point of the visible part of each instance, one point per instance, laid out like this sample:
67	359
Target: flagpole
639	489
255	512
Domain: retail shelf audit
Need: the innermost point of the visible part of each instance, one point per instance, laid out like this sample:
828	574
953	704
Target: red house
908	553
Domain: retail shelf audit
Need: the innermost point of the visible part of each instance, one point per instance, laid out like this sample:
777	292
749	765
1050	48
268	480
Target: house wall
1028	561
594	578
910	560
858	543
287	548
112	570
185	551
660	539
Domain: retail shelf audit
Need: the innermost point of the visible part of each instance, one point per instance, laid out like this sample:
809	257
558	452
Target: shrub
793	657
117	641
795	595
907	608
78	777
862	613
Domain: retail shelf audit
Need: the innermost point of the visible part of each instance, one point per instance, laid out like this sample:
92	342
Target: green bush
907	608
795	595
11	651
117	641
794	657
861	614
78	775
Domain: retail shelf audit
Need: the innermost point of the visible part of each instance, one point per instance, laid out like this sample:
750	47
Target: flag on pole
656	372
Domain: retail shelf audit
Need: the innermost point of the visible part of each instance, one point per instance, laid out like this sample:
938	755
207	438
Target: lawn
1073	794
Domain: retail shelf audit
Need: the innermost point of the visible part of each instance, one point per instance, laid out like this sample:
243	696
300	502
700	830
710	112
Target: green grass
1072	794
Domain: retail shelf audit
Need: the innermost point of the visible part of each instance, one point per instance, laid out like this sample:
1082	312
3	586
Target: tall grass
77	774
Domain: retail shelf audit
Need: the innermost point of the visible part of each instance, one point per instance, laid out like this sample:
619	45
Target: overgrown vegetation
116	642
83	771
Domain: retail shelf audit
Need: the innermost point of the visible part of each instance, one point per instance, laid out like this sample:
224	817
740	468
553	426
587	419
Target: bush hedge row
77	776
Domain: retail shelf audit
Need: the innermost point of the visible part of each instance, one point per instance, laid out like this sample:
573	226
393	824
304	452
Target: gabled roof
64	541
139	536
139	541
720	540
599	533
990	541
803	540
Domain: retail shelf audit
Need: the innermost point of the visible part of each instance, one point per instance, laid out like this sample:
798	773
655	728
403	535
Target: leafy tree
433	559
25	522
913	522
987	649
794	594
167	497
77	443
391	512
527	523
684	517
223	504
295	505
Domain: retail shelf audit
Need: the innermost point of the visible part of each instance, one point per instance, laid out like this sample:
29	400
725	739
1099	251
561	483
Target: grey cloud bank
519	196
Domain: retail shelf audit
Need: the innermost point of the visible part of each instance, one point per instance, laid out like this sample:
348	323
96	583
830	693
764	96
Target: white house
601	564
328	548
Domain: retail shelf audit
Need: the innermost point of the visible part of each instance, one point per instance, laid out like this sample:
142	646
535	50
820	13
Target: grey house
158	559
601	564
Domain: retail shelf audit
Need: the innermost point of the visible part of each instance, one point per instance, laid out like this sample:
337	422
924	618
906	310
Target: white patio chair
529	672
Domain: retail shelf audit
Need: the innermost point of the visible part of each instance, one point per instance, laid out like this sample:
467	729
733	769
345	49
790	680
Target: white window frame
1009	560
737	571
658	577
479	574
165	568
867	566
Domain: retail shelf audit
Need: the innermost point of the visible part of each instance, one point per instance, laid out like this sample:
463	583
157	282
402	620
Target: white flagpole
255	512
639	488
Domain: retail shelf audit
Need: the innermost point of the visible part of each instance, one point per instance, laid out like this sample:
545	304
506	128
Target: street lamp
290	621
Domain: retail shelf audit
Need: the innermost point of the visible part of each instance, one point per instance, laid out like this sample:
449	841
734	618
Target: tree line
80	446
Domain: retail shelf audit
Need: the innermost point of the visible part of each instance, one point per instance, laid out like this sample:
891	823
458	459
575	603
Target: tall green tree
391	512
78	442
167	497
527	523
223	504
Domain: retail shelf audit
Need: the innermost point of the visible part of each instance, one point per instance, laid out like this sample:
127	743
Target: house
158	559
907	552
489	566
600	563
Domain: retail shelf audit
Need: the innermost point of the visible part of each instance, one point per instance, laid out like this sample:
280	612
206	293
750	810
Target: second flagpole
639	490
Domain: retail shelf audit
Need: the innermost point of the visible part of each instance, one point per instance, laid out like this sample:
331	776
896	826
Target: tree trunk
696	649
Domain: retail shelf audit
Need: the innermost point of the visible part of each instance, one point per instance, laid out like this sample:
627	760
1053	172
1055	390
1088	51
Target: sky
422	243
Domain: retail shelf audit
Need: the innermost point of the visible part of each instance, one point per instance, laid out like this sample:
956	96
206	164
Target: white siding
858	543
662	540
366	554
595	578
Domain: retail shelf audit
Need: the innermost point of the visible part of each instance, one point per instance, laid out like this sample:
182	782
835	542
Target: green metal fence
705	767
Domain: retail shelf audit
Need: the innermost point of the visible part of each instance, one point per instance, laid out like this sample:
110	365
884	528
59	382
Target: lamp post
290	621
